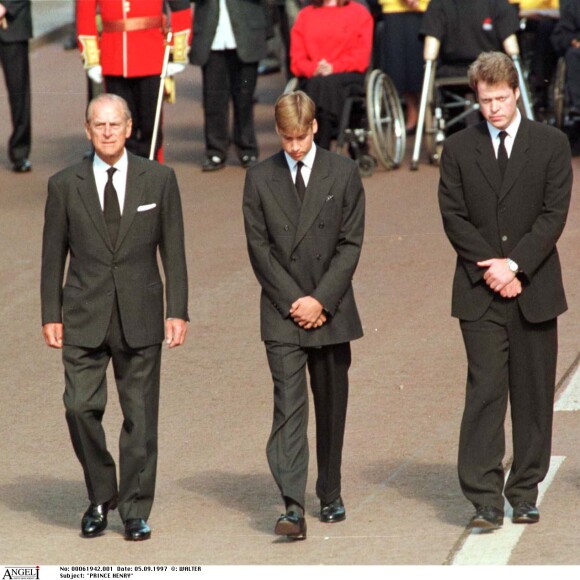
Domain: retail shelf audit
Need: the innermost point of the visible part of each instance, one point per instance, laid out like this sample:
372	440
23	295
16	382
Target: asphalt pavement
216	502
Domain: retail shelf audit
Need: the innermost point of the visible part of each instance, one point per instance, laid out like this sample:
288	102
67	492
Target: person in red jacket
330	50
129	55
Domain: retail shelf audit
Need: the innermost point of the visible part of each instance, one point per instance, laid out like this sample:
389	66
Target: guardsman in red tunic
129	53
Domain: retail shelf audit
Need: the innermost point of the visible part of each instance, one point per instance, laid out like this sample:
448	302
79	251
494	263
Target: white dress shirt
119	178
308	162
224	38
511	131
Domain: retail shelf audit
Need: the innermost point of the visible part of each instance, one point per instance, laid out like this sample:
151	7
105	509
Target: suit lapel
87	189
518	158
283	190
316	191
133	194
486	158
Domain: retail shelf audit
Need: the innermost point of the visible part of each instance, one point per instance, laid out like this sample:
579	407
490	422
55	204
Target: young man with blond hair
304	220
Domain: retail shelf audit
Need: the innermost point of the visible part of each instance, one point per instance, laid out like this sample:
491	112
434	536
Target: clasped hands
307	313
500	278
323	69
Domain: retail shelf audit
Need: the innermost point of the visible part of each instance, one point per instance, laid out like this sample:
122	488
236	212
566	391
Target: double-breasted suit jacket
151	221
520	218
310	249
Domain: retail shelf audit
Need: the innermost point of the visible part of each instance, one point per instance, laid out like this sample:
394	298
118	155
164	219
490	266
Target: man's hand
175	331
52	333
498	274
307	313
513	289
174	68
96	74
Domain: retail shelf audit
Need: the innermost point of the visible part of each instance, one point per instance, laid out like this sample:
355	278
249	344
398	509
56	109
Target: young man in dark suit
15	32
304	220
504	195
110	216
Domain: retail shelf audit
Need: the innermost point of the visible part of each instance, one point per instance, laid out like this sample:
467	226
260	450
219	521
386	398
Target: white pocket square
146	206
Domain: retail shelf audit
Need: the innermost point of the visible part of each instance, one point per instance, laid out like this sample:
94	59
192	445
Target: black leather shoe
248	161
332	512
525	512
94	520
487	518
136	529
23	166
213	163
291	524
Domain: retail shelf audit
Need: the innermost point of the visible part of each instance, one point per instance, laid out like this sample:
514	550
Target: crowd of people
328	45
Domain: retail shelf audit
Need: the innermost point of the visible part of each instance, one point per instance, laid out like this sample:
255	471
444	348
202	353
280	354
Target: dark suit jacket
19	21
521	218
310	249
75	227
250	23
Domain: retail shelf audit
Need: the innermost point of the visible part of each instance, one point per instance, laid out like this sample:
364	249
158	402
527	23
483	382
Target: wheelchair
447	103
563	119
372	115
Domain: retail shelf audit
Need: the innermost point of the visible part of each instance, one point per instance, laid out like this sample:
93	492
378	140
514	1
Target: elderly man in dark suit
504	195
15	32
304	221
110	216
229	39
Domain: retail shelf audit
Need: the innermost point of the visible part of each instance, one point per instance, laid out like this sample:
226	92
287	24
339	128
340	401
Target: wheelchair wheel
366	165
559	95
385	119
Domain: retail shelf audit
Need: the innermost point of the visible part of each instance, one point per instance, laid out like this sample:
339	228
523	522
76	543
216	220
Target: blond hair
294	111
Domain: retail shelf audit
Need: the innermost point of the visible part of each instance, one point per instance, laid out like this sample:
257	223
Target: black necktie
112	211
502	156
300	186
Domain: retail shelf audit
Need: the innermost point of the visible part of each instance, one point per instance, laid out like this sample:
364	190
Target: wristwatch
513	266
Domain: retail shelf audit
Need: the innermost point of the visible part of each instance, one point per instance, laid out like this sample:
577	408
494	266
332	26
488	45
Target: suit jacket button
293	259
318	256
321	225
504	238
286	228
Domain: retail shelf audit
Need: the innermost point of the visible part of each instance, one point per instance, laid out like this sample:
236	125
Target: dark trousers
14	59
141	94
137	373
225	76
507	357
573	76
287	448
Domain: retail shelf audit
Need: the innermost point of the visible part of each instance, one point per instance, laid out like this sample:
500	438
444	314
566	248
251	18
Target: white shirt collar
511	129
308	159
121	165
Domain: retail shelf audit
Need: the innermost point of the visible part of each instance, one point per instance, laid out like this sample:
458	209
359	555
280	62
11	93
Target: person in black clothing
466	28
15	32
566	41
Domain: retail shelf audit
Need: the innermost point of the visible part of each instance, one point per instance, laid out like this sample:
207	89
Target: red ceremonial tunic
132	53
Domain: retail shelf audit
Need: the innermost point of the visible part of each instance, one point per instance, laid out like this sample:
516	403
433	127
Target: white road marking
570	398
495	548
